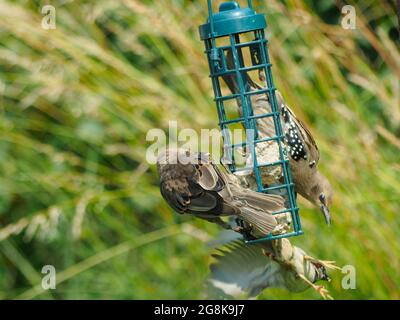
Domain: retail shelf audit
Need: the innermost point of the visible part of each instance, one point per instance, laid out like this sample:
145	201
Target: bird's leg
238	229
245	231
325	263
320	289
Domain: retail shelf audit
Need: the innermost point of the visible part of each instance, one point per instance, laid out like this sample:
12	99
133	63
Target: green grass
76	104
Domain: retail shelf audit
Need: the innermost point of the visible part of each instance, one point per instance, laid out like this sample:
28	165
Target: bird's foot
284	222
328	264
279	229
238	229
322	291
245	232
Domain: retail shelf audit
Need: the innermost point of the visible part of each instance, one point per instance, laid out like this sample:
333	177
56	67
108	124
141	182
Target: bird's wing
266	202
307	137
256	208
261	105
197	193
253	207
208	193
208	177
309	140
240	268
182	196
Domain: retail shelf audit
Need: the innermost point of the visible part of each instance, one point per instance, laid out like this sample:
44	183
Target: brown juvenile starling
191	183
302	149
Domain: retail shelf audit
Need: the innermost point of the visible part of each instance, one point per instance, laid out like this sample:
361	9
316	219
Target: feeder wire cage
229	24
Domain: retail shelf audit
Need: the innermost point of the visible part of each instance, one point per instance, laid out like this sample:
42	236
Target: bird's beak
326	213
325	209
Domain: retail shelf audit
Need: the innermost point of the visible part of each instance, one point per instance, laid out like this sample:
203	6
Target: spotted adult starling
241	268
301	146
191	183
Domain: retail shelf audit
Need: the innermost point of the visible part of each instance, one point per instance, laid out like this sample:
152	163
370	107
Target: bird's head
183	159
182	156
322	195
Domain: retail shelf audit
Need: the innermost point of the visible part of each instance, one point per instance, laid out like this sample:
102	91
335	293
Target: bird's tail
262	223
257	210
231	79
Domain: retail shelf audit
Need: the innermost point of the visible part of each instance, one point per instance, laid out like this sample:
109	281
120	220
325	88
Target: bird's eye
322	198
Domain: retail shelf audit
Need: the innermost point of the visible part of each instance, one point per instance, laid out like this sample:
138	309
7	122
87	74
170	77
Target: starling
191	183
241	268
300	144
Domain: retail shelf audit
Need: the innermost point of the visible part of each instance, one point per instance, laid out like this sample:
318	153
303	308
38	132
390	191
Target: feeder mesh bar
260	61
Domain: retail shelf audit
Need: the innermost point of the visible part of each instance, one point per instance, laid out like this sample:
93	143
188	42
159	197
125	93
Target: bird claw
324	293
328	264
279	229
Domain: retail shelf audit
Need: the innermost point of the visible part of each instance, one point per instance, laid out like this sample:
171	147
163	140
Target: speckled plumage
293	139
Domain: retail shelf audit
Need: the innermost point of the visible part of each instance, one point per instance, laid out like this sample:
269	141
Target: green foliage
76	104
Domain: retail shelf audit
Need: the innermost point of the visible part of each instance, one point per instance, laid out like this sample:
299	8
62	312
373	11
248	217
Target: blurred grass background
76	104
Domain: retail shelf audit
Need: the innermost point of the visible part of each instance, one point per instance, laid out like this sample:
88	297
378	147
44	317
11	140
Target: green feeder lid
232	19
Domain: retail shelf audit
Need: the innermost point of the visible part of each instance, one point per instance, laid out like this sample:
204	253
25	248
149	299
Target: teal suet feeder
230	22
